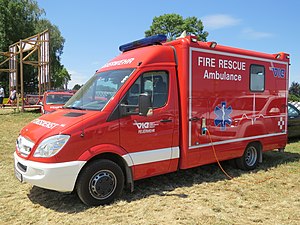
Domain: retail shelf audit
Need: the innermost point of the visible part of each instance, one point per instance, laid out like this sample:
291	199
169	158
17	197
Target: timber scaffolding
19	54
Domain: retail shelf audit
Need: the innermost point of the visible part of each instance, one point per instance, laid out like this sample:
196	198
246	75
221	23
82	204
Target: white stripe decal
151	156
236	140
190	98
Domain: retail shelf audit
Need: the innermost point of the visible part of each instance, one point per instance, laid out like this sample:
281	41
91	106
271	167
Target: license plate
18	175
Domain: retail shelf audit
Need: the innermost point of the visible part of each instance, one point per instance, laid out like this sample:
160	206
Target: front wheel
250	158
100	182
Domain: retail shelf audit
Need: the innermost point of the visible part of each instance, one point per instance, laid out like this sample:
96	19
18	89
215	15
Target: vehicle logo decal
277	72
223	116
145	127
44	123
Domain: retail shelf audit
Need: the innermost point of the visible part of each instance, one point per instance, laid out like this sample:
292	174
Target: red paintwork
153	169
120	136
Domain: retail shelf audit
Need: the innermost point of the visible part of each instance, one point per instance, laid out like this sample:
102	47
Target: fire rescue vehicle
156	108
53	100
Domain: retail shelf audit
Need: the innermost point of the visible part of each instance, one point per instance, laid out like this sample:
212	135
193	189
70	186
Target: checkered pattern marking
281	123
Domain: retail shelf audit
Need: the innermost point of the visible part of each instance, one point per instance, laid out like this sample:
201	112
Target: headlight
24	145
51	146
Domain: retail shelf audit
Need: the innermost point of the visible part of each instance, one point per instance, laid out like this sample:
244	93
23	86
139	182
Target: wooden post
18	102
39	64
17	72
21	75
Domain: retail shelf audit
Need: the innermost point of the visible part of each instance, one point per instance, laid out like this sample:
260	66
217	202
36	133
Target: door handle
166	120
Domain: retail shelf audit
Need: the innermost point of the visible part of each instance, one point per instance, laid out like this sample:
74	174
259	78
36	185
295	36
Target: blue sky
94	29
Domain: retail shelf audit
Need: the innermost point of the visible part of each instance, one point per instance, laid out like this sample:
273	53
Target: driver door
149	139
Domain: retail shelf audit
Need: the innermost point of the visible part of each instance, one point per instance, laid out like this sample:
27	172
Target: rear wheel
100	182
250	158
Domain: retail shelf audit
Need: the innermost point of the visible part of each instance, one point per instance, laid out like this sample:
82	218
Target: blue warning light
156	39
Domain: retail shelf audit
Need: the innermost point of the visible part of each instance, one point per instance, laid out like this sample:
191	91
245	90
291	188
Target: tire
250	158
100	182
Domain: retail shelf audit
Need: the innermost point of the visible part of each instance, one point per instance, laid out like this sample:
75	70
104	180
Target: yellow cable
220	166
215	154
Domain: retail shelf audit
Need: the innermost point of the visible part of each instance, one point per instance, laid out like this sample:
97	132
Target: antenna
183	35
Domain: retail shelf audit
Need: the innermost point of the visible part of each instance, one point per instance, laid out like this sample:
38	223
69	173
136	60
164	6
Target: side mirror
145	105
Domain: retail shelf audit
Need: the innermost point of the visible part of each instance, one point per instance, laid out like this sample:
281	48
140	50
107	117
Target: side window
257	78
155	83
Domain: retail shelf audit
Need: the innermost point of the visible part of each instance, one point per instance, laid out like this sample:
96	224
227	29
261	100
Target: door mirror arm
144	106
124	110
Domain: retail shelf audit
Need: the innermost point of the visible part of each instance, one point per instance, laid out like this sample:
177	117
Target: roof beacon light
156	39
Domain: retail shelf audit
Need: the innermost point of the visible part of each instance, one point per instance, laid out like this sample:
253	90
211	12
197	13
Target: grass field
267	195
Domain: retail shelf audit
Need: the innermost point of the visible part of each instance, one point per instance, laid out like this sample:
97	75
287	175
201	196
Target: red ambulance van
53	100
156	108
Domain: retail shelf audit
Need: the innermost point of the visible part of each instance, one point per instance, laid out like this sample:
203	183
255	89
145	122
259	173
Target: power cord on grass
222	169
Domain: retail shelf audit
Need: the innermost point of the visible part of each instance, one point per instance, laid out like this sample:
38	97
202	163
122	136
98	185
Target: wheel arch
112	153
122	163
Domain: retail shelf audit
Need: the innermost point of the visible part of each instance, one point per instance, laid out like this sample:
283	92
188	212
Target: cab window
155	83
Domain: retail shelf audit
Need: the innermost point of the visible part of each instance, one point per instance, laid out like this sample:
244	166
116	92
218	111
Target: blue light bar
156	39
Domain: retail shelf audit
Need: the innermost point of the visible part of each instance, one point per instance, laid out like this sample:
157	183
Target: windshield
97	92
57	99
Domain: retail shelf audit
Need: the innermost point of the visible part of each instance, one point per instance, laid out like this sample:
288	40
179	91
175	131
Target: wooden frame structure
20	52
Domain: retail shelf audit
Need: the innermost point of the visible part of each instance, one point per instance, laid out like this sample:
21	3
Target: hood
55	123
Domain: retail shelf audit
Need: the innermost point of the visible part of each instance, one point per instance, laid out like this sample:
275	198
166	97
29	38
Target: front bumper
54	176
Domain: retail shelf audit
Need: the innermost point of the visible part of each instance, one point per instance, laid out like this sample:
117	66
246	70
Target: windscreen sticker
46	124
119	62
